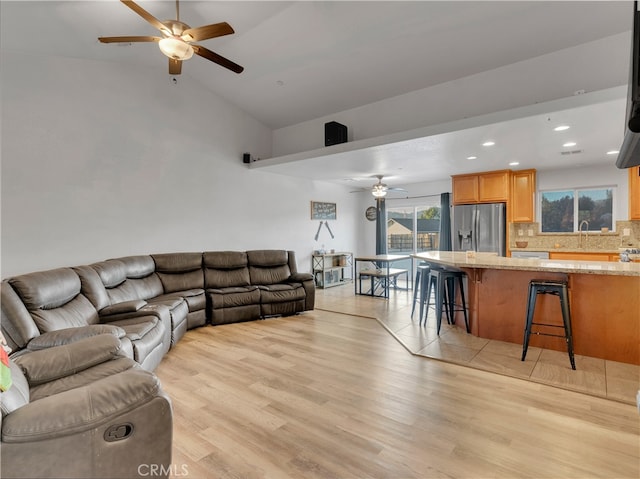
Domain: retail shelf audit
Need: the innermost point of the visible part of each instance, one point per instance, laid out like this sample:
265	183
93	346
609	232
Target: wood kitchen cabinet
465	189
634	193
580	256
522	202
489	187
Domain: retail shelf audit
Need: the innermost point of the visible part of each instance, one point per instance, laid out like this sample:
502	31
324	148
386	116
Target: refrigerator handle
476	229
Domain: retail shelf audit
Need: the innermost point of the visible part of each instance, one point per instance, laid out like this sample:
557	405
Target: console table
381	275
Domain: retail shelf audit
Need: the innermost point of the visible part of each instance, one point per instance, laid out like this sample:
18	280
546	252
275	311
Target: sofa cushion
269	275
82	378
172	282
125	307
61	361
232	297
16	322
224	259
138	328
179	271
77	312
138	266
278	293
194	298
47	289
112	272
267	257
268	266
80	409
224	269
61	337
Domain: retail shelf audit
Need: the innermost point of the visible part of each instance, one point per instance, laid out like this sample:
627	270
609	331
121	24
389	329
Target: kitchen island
604	299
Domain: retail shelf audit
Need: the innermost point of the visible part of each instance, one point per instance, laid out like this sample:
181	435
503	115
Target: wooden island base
605	311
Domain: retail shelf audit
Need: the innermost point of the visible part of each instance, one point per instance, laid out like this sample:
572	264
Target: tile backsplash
594	241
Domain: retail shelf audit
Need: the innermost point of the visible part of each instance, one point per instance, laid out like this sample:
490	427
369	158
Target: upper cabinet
515	188
634	193
465	189
489	187
523	190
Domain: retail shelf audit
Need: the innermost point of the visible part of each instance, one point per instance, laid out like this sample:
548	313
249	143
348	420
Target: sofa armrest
300	277
124	307
81	409
69	335
47	365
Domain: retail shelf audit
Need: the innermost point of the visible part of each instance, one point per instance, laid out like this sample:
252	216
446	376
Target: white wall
103	160
593	66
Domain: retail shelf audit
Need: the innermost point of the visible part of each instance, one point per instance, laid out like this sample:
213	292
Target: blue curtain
381	226
445	222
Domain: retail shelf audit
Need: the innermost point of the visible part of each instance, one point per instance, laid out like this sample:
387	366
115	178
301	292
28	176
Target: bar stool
555	288
422	277
445	280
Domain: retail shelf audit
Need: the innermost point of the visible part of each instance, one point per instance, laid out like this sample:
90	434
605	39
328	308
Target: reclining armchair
83	410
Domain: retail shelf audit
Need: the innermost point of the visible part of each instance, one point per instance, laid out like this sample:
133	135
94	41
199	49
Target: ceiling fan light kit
378	192
176	48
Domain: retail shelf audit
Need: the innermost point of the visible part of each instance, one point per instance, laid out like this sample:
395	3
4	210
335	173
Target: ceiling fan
380	189
177	39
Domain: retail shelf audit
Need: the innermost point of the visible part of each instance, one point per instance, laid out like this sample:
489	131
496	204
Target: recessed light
561	128
514	163
472	157
570	143
613	152
489	143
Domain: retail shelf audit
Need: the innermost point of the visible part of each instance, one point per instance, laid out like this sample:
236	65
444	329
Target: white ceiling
304	60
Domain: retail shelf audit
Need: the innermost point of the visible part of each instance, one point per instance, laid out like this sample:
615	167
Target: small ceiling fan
380	189
177	39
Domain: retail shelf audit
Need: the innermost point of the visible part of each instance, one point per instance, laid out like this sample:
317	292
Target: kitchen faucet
586	234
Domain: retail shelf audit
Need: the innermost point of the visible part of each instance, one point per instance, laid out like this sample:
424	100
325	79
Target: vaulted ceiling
305	60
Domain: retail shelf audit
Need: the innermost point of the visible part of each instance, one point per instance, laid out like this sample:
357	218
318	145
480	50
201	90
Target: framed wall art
323	211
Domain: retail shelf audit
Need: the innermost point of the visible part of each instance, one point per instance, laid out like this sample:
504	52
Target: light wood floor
330	395
609	379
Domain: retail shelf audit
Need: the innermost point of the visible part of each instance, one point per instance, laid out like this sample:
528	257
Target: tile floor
598	377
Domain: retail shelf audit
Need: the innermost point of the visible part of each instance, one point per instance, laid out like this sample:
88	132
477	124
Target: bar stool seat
555	288
445	294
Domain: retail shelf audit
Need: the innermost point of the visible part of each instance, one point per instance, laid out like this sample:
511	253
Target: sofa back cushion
179	271
128	278
141	272
268	266
54	300
225	269
17	324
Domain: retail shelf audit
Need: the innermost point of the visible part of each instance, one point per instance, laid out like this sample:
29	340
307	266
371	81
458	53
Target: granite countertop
492	261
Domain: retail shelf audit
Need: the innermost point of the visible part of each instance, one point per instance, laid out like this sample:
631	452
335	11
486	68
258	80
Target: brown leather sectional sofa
85	340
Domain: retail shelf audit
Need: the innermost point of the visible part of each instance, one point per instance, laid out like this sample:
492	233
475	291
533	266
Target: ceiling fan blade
206	32
175	66
130	39
214	57
147	16
396	189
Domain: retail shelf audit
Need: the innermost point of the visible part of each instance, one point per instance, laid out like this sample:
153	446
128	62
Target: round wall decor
371	213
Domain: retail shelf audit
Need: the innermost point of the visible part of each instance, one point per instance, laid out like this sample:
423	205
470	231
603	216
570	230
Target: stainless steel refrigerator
479	228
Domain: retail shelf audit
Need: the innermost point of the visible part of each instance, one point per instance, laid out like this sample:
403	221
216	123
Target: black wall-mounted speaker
246	158
334	133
